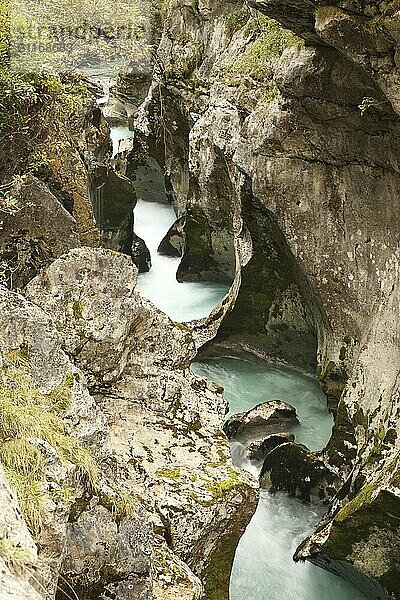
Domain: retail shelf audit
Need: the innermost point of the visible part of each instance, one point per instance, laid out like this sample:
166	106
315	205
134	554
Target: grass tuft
28	415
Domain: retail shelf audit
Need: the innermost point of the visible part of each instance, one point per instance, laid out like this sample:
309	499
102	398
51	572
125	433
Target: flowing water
118	134
180	301
263	567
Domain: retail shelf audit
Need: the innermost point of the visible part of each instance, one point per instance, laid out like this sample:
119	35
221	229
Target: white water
118	134
180	301
263	568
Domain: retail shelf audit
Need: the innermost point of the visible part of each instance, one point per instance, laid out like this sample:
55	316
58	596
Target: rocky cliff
280	149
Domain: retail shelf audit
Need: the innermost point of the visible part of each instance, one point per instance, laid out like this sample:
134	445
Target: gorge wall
281	151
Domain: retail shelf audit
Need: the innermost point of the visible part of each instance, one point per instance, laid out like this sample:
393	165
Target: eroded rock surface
292	160
267	418
294	469
163	506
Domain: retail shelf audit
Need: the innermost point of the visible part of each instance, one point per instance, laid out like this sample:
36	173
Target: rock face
145	500
286	156
114	199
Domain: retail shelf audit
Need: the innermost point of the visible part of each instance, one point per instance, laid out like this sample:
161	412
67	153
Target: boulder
259	449
264	419
173	242
296	470
35	233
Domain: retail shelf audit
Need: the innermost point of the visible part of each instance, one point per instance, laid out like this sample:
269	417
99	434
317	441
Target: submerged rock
262	420
296	470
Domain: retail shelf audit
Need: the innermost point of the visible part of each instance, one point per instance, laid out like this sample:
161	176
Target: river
263	568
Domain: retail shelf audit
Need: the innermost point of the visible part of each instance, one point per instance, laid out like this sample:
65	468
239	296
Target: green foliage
26	415
271	41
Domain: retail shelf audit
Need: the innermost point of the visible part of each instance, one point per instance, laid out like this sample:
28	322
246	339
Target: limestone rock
114	199
39	231
163	435
259	449
20	569
264	419
108	556
105	324
294	469
173	242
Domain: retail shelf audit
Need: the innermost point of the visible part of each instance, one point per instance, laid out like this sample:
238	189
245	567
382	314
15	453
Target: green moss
198	256
235	21
77	309
219	488
363	497
271	41
216	575
375	455
342	437
353	524
183	66
173	473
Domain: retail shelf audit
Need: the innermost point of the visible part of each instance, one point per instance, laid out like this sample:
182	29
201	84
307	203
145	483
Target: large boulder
293	468
266	418
34	232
